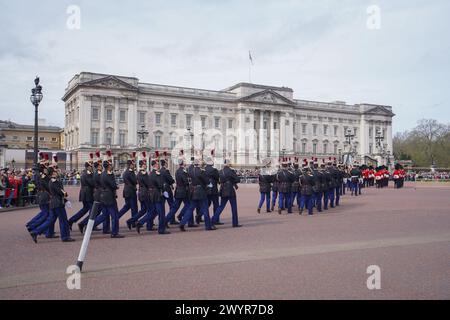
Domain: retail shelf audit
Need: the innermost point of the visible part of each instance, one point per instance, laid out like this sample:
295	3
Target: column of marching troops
318	186
197	189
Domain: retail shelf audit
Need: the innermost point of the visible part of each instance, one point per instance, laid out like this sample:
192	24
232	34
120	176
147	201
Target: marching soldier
86	195
43	196
331	183
339	177
284	179
168	182
211	189
295	189
318	186
143	195
129	190
108	195
103	217
228	187
181	194
307	183
198	195
355	175
274	189
57	207
265	179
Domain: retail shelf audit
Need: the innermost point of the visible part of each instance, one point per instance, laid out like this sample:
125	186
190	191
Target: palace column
132	124
116	122
101	141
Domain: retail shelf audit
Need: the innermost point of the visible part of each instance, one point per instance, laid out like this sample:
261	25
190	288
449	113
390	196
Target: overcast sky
321	49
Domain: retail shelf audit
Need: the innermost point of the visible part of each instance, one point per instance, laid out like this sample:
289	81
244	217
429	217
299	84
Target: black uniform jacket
57	194
284	178
182	184
167	180
130	181
199	180
97	185
43	195
109	189
87	187
144	181
265	181
213	178
156	186
228	182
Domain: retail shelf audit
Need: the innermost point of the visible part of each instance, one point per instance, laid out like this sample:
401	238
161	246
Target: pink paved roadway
405	232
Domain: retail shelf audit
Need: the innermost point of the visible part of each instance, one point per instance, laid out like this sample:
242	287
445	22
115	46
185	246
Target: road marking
226	258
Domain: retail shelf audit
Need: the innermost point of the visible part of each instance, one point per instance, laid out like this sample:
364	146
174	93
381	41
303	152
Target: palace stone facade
245	122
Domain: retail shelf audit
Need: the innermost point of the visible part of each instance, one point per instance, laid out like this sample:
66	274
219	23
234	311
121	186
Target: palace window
158	119
173	120
95	114
325	148
41	138
230	123
157	141
325	130
108	138
265	125
188	120
141	117
94	138
173	141
123	116
370	148
122	139
303	147
314	148
335	149
303	128
217	123
314	129
203	119
335	131
29	138
54	139
109	114
275	126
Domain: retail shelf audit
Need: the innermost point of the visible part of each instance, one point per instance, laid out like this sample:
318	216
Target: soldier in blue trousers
265	179
228	186
57	207
86	195
198	196
108	195
129	189
284	179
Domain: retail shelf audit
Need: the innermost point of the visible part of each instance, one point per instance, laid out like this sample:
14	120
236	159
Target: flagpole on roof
250	63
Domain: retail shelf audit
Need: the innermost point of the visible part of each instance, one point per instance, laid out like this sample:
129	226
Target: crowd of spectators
427	176
17	188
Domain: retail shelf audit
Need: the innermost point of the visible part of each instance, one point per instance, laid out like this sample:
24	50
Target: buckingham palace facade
245	122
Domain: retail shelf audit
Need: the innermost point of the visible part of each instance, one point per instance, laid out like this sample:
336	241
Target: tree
428	143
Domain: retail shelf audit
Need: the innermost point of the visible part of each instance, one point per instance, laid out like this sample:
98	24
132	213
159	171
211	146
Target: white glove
210	185
68	204
166	194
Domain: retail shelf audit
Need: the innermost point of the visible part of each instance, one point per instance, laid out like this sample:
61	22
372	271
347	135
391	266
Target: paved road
405	232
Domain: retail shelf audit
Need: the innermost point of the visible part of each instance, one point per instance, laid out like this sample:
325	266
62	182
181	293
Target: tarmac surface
405	232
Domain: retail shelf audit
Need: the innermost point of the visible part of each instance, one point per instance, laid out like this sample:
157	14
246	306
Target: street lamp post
191	135
379	139
349	135
36	98
142	133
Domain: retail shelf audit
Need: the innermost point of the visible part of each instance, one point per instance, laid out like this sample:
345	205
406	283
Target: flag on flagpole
250	57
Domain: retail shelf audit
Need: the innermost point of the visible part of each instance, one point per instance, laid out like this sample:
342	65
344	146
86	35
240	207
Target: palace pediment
379	110
110	82
267	97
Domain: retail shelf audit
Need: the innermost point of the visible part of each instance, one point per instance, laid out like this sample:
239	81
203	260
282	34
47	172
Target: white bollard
87	234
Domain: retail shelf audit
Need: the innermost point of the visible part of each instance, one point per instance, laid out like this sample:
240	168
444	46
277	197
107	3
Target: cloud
322	49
